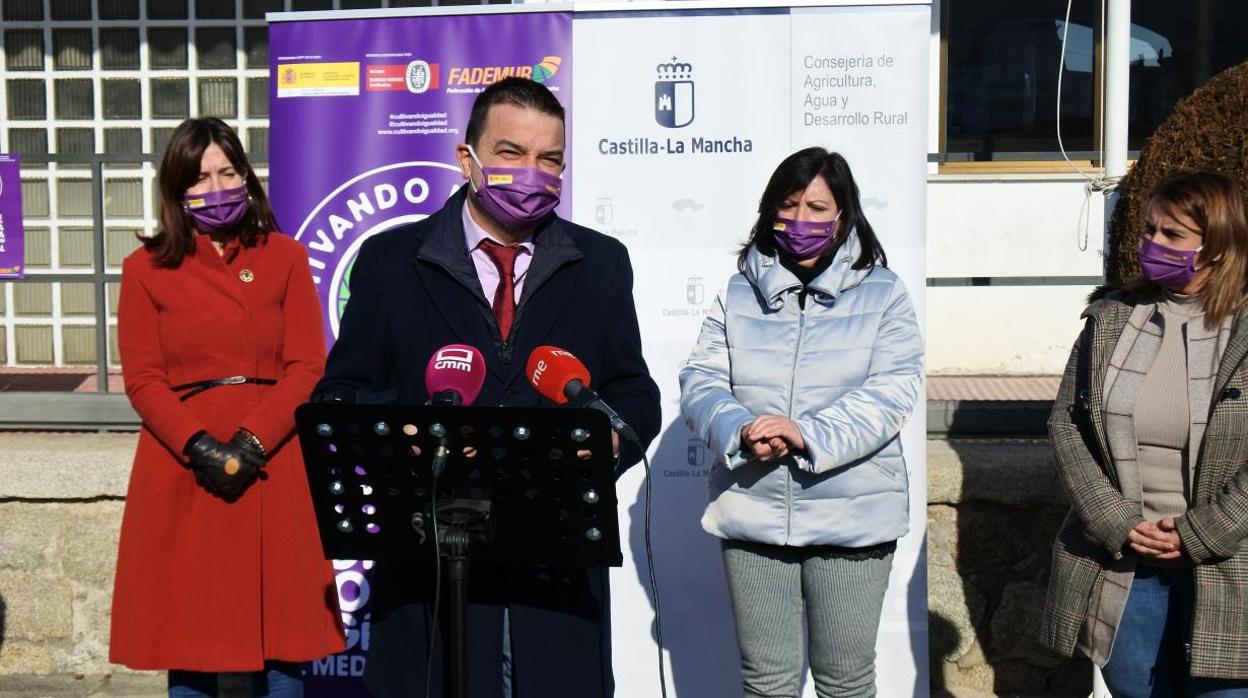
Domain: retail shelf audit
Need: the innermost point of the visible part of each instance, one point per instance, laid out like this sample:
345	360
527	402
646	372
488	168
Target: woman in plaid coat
1150	434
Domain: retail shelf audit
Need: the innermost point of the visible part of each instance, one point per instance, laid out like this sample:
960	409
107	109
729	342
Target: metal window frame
103	409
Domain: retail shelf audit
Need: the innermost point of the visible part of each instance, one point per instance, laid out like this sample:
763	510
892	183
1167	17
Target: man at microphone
496	269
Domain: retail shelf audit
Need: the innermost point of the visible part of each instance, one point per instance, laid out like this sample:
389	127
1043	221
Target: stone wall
993	509
61	498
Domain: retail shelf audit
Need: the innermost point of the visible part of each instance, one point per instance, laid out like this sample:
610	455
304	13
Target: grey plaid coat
1214	531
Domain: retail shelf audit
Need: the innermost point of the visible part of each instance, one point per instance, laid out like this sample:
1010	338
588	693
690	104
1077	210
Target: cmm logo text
454	358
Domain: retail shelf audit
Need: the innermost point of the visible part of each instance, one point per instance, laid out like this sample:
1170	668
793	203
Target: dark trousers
560	634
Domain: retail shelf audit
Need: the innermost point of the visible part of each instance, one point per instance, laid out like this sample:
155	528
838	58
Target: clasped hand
224	469
772	437
1158	540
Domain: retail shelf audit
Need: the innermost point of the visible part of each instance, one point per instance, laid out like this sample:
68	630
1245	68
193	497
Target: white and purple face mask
216	211
804	239
517	197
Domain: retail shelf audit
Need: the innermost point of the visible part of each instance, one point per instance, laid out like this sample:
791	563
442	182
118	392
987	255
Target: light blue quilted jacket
847	370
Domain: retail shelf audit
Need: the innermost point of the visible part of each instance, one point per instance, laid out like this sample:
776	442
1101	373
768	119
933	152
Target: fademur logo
480	76
673	94
546	68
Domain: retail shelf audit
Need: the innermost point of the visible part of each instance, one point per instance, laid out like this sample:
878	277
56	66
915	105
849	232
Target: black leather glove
223	469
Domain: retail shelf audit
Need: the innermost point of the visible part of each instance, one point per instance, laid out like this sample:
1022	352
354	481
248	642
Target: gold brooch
247	276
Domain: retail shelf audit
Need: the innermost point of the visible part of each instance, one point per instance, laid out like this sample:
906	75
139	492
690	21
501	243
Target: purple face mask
517	197
804	239
216	211
1166	266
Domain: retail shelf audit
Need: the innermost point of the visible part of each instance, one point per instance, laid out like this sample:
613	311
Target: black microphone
580	395
446	398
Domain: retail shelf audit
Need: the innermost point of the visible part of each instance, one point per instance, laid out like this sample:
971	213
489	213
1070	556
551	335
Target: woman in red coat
220	567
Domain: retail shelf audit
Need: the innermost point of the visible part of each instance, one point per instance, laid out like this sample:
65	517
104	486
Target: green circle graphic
344	289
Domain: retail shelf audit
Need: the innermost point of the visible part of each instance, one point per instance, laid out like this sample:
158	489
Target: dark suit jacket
414	289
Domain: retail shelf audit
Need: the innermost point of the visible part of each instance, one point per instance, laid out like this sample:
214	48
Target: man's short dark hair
521	92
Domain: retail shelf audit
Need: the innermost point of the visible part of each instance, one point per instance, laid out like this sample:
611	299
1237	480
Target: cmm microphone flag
454	375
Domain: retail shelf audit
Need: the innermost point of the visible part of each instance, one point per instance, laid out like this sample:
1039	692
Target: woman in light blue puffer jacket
805	371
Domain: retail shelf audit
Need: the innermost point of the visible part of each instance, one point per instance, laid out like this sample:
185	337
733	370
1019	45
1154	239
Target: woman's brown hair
179	170
1215	203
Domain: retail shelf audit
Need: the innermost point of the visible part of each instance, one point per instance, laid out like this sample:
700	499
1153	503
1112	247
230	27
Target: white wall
682	213
1008	226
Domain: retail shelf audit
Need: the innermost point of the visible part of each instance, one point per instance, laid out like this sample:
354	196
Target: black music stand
512	490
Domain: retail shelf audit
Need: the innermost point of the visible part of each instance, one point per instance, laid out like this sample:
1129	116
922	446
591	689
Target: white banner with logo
681	116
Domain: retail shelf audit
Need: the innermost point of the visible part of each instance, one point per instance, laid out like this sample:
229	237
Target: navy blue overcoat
413	290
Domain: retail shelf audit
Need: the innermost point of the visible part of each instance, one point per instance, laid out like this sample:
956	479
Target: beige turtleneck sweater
1162	414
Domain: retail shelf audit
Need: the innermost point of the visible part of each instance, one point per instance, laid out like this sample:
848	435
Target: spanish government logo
673	94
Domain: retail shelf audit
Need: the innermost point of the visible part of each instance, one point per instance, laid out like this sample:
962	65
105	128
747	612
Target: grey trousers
774	588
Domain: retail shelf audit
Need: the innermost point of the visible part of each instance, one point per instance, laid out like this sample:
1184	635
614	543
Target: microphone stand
456	522
463	520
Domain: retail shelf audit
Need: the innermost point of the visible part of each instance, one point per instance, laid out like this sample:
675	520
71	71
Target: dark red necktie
504	305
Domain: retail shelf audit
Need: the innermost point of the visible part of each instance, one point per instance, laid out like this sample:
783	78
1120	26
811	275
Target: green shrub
1207	130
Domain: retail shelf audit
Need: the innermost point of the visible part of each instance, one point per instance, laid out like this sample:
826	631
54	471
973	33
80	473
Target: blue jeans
278	680
1149	658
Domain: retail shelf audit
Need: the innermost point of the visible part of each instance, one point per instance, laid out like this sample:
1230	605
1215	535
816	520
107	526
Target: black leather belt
198	387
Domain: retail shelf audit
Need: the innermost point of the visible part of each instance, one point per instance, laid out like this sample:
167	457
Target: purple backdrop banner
12	257
365	115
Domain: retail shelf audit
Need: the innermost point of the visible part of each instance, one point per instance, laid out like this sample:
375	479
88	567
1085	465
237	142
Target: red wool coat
201	584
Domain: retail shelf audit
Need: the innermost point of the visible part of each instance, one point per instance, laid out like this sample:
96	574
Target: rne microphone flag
560	377
550	369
